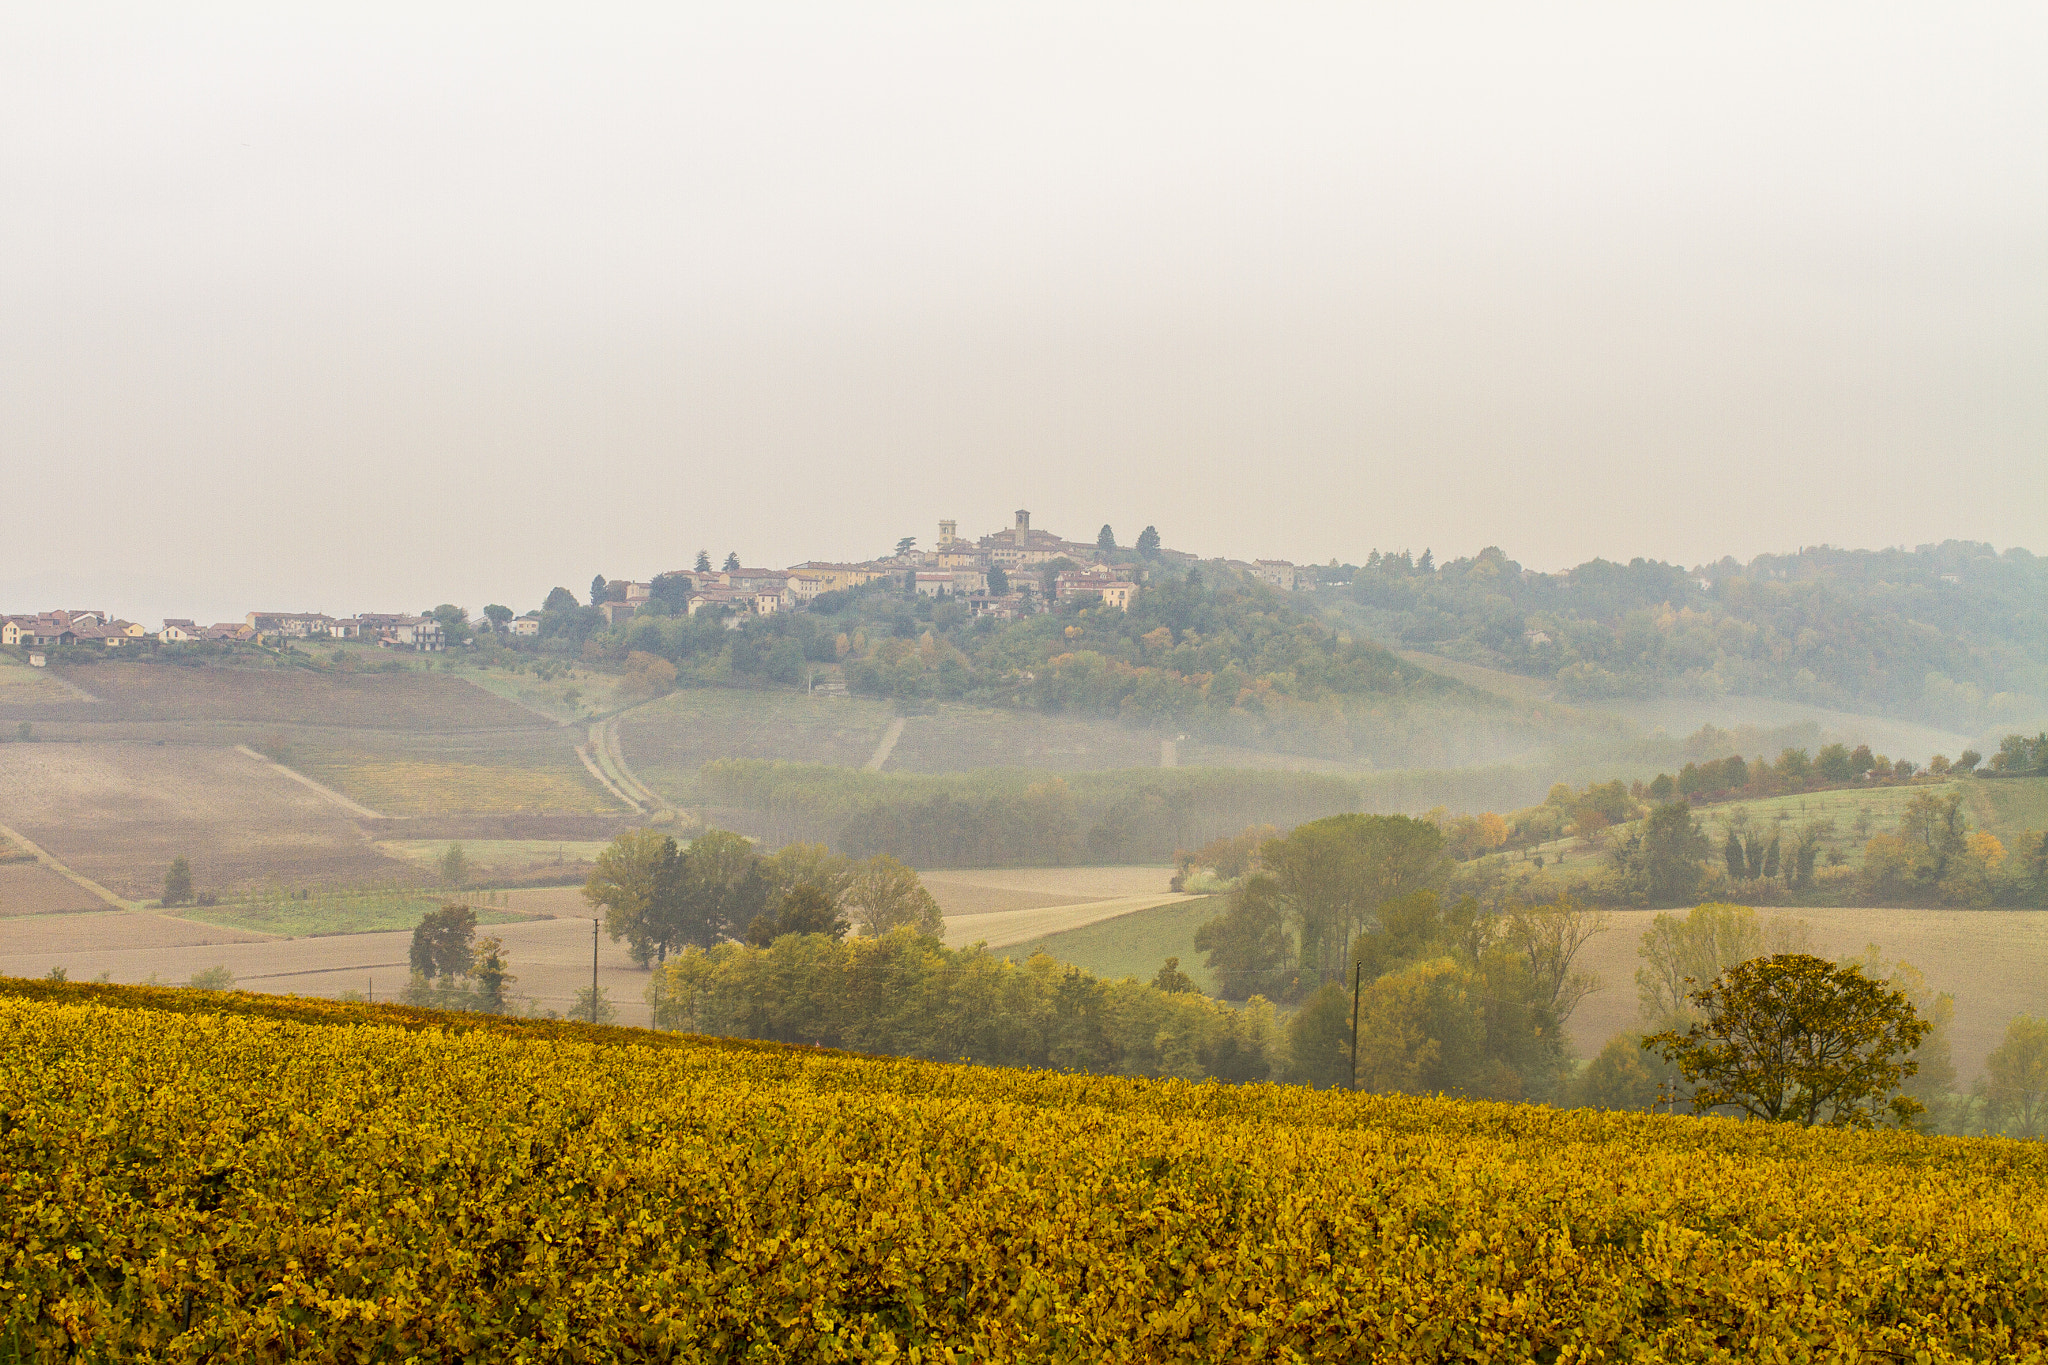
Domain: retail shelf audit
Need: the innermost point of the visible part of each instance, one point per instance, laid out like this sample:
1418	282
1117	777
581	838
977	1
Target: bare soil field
978	891
550	958
666	741
32	889
402	743
1994	962
119	813
139	692
1006	905
21	685
31	945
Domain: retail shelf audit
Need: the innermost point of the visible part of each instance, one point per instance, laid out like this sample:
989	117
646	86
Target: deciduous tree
632	880
1249	950
178	882
886	895
443	942
1795	1039
491	975
2014	1088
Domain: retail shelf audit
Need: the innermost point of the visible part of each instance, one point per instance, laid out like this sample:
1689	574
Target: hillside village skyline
978	571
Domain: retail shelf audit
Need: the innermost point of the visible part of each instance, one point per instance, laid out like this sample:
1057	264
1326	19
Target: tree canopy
1793	1038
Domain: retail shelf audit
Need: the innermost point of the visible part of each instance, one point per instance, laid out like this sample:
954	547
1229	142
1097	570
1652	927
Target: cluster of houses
48	630
956	568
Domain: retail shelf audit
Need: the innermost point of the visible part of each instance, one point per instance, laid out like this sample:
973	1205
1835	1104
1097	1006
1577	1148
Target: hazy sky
353	307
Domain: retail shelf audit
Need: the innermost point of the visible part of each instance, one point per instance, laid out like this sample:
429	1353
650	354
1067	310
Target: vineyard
187	1177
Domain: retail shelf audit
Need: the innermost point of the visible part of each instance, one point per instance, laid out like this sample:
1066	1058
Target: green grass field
339	912
2009	806
1136	944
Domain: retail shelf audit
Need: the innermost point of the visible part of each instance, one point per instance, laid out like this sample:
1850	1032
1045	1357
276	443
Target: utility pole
1357	976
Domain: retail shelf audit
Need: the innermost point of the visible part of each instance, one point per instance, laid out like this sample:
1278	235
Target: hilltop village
1010	573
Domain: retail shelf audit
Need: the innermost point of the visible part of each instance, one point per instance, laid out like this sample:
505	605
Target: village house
294	625
1022	547
229	632
178	631
1006	607
759	582
615	612
1277	573
526	627
420	633
715	599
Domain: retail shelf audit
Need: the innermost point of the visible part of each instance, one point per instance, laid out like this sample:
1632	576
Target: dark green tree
1172	979
1148	541
905	546
998	581
1673	847
1731	853
703	561
559	599
805	909
491	975
1249	950
178	882
1319	1039
732	560
498	615
597	590
443	942
1105	539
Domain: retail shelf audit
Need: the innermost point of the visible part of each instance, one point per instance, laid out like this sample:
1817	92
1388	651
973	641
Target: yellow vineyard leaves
224	1186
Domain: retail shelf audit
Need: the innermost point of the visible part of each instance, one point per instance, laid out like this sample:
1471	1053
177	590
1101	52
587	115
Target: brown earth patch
29	888
119	813
521	825
160	692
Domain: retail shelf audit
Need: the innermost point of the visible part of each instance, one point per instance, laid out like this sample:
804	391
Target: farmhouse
526	626
295	625
178	631
422	633
1278	573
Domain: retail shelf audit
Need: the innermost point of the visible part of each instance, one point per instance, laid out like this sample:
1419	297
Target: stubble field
119	813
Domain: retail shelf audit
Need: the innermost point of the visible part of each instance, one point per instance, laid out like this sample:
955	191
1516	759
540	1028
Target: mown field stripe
80	880
352	807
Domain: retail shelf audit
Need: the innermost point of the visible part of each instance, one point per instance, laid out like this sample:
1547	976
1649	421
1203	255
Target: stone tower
947	530
1023	531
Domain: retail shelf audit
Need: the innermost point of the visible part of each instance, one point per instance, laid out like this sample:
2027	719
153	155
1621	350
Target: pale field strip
590	764
329	793
885	746
84	883
628	779
1005	927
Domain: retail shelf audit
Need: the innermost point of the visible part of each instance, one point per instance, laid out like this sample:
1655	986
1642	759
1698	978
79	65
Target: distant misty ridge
1954	633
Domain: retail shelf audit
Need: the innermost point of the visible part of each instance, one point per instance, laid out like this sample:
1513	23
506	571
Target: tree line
1955	634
